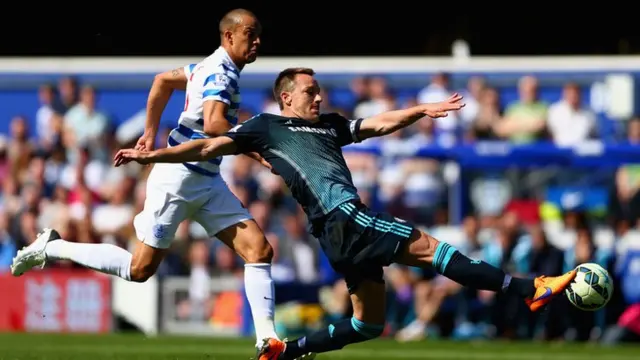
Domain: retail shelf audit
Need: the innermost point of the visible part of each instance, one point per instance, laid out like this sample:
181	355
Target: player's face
246	39
305	98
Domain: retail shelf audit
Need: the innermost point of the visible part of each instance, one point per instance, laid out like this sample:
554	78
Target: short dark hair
232	19
286	81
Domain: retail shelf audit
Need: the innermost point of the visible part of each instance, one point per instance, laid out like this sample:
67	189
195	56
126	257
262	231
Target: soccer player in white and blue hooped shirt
194	190
215	79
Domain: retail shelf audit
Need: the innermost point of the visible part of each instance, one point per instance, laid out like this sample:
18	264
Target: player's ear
286	98
228	35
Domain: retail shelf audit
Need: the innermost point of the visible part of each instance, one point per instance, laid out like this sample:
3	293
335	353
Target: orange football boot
271	349
548	287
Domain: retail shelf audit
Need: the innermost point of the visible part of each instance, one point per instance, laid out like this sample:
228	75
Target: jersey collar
226	58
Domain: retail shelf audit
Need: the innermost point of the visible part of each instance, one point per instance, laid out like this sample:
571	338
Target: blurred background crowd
55	171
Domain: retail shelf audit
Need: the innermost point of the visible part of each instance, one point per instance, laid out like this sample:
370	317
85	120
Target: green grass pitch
137	347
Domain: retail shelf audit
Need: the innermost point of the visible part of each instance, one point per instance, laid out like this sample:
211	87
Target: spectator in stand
7	244
438	90
628	179
570	121
524	120
487	117
88	124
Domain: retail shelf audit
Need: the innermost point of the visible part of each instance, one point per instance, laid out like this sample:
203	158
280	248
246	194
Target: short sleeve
188	70
250	135
347	130
220	85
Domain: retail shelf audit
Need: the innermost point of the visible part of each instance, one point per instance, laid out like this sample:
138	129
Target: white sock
105	258
258	285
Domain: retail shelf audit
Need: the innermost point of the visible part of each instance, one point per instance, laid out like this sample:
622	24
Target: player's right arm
218	90
161	90
194	150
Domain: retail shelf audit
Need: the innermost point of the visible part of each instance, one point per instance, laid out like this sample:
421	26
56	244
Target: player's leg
155	227
248	241
170	198
106	258
225	218
367	291
424	250
393	240
48	245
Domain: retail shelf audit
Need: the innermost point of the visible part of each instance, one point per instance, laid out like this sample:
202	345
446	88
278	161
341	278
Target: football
592	288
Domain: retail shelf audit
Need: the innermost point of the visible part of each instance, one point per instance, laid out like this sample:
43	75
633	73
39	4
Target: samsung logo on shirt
331	132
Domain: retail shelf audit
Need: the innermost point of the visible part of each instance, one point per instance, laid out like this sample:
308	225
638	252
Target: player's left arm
394	120
218	89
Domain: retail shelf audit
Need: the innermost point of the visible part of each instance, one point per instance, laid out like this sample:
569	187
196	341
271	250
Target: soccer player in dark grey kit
304	148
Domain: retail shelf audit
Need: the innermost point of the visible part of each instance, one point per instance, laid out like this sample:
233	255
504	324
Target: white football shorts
174	194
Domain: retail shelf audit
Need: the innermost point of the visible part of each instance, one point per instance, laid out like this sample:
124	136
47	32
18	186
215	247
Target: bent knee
420	250
145	262
141	272
256	251
428	245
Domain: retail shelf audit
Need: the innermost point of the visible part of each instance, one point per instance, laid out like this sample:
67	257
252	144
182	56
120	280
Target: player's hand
441	109
146	142
262	161
268	166
125	156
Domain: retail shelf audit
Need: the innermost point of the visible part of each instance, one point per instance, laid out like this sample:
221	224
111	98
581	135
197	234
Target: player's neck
238	61
291	114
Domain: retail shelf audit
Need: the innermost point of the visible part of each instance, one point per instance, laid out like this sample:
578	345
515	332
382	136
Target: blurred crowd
59	175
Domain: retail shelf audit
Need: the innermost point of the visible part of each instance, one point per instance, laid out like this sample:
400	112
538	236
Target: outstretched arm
194	150
390	121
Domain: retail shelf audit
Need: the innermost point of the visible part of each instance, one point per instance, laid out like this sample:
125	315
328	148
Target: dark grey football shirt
307	155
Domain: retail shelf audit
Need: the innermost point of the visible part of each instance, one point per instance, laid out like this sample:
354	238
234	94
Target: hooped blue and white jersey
214	78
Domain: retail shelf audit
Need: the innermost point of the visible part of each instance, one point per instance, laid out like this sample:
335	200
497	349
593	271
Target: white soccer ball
592	288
